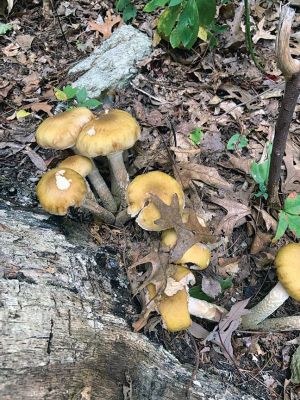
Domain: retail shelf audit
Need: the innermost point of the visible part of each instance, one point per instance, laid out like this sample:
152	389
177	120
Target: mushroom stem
274	299
119	173
100	186
98	211
279	324
203	309
122	218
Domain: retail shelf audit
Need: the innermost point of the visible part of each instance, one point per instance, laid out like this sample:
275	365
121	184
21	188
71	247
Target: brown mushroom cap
82	165
138	193
60	131
174	309
287	264
110	132
198	254
60	189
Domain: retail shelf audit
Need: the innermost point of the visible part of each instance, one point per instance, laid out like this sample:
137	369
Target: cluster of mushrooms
109	134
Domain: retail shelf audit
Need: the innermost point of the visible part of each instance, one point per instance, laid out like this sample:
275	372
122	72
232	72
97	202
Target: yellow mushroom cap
82	165
198	254
60	131
60	189
110	132
174	309
287	264
139	191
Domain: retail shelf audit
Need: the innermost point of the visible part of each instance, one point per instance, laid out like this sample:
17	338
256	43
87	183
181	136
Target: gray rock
114	62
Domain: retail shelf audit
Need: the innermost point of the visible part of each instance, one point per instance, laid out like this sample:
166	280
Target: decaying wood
65	316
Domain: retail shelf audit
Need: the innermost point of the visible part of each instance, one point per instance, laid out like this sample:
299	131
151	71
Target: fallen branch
291	71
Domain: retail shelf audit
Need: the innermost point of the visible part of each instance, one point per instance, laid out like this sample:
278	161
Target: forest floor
189	105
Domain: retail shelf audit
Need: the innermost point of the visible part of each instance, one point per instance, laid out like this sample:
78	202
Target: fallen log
65	320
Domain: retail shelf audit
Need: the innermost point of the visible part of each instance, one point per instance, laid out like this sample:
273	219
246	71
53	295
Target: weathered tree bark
65	312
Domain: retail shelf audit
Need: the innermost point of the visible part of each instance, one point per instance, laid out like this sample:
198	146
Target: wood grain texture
65	321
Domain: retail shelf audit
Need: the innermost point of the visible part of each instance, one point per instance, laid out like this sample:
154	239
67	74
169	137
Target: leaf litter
221	93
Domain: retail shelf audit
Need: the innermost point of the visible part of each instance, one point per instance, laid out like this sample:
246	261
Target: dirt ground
218	91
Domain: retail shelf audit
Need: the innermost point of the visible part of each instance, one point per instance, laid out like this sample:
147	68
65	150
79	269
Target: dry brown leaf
11	50
261	241
222	333
235	212
188	233
36	159
24	41
241	163
292	164
198	331
40	106
209	175
211	286
32	82
106	28
261	33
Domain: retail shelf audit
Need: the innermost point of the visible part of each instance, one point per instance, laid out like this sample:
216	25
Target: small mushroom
173	306
59	189
287	262
138	197
112	132
60	132
199	255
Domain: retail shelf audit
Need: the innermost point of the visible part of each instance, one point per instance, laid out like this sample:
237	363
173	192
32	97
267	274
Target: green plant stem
249	37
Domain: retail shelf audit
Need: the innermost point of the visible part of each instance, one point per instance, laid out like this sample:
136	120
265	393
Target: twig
249	37
148	94
59	23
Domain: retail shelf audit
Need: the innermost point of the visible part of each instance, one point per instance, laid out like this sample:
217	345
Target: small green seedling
289	217
237	142
198	293
196	136
260	173
79	96
127	9
4	28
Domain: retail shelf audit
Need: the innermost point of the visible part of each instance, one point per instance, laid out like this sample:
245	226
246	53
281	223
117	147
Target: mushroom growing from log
112	132
60	189
287	264
60	132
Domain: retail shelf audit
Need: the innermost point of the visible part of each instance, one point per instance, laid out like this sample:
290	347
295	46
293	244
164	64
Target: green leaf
207	11
232	141
196	136
188	25
260	171
294	224
129	12
122	4
175	38
292	204
167	20
283	223
198	293
60	95
81	95
4	28
92	103
175	3
70	91
226	283
154	4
